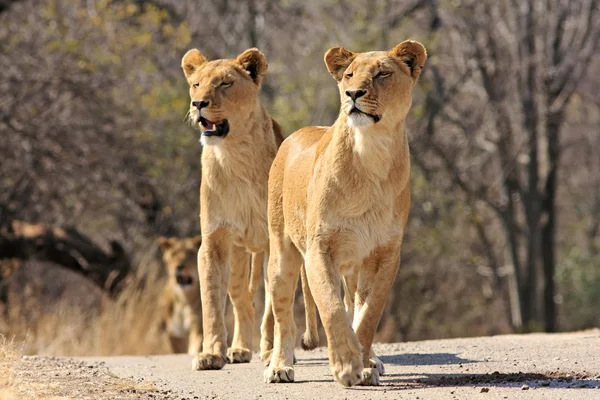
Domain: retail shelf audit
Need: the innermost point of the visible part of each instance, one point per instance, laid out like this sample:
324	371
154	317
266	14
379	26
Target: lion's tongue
212	125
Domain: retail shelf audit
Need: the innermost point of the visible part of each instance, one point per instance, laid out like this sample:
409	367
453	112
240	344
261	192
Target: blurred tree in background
526	60
504	232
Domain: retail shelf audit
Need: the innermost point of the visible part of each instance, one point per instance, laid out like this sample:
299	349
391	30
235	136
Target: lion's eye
196	85
226	84
382	75
349	75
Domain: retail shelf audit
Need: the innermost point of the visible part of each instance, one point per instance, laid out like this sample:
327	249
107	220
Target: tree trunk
519	290
549	228
529	88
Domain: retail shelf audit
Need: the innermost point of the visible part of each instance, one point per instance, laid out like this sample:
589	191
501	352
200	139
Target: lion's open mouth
214	128
183	280
356	110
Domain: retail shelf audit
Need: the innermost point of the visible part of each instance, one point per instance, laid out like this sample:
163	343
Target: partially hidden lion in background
240	141
180	301
339	199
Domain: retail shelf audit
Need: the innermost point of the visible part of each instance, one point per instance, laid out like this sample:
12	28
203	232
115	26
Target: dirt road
537	366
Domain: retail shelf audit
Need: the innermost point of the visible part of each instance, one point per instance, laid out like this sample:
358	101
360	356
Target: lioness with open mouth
240	140
339	200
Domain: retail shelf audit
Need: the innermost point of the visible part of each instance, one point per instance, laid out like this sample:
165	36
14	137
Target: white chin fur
359	121
210	140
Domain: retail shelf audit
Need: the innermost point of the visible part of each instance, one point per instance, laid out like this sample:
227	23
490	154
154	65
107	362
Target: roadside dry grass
10	352
77	319
126	325
8	357
50	378
73	325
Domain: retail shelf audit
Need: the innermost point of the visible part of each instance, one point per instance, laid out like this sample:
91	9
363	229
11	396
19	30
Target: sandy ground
536	366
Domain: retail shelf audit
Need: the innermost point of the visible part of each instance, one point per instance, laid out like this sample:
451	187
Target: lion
240	141
339	199
180	301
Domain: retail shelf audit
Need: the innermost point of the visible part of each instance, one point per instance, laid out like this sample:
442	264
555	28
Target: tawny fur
339	200
233	200
180	302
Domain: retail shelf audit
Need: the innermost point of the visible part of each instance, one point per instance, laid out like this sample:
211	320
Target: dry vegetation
85	321
47	378
504	233
9	353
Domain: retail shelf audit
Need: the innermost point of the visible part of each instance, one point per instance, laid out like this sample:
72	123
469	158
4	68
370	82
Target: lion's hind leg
268	322
255	273
194	341
241	298
350	282
284	269
310	338
178	344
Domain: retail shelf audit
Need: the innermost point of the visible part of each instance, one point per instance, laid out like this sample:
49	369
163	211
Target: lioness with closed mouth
339	200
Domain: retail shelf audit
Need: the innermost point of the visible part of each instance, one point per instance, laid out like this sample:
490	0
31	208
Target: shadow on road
397	381
424	359
401	359
550	380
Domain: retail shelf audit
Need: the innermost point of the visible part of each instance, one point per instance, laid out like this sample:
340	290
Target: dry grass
75	320
50	378
9	354
128	324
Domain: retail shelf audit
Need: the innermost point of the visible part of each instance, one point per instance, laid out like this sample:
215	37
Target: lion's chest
354	238
241	207
356	219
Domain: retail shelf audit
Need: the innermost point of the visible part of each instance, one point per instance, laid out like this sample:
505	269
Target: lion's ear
337	59
191	61
413	54
254	63
166	243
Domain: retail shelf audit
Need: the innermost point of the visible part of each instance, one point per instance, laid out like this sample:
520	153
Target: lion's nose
355	93
200	104
180	268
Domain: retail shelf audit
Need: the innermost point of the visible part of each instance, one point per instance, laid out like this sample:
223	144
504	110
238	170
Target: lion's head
224	93
376	87
180	259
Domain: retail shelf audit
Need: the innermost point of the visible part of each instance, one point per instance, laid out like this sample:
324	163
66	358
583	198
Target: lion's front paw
204	361
370	377
279	375
348	371
375	362
239	355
